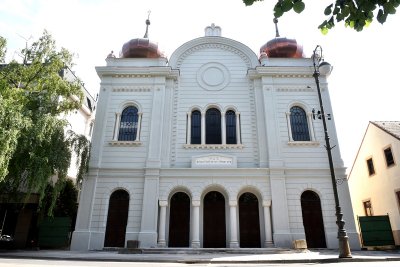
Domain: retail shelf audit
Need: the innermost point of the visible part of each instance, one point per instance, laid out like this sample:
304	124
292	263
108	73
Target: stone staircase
199	251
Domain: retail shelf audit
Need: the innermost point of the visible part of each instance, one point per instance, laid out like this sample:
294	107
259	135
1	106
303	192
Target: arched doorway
117	219
179	220
249	221
214	229
312	220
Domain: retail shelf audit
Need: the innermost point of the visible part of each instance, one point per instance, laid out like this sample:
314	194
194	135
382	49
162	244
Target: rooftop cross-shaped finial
146	35
276	27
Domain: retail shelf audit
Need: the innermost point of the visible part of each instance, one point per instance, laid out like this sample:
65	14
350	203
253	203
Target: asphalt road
60	263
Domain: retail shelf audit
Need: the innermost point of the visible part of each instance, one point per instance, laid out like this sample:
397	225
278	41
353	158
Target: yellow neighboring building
374	179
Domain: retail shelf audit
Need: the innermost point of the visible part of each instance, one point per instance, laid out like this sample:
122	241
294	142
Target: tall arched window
129	124
213	126
230	118
195	131
299	124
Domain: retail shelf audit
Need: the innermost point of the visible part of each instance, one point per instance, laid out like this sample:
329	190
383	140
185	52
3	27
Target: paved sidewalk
284	256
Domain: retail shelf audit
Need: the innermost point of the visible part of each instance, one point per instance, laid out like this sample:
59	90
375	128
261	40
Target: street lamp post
344	248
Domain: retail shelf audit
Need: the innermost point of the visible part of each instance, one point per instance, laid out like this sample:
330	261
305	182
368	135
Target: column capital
267	203
196	203
233	203
163	203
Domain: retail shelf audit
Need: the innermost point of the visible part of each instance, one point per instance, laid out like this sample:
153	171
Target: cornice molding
224	47
303	143
294	89
125	143
212	146
133	89
248	55
137	72
281	72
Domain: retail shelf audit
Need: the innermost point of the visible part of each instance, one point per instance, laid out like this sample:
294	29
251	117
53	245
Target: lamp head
325	68
317	56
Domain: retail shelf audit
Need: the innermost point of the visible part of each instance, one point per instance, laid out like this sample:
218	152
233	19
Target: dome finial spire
276	27
146	35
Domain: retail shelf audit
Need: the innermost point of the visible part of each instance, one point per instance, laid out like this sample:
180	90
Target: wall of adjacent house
379	188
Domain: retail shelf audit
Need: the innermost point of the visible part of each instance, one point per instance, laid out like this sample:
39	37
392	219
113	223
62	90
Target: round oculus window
213	76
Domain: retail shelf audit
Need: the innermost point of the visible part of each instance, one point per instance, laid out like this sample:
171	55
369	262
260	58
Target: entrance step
200	251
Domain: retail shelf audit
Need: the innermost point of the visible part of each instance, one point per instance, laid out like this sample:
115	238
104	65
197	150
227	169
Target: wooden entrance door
312	220
179	220
214	229
117	219
249	221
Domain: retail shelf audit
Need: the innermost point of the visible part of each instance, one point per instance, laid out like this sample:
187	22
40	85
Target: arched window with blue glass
299	124
128	127
230	120
213	126
195	131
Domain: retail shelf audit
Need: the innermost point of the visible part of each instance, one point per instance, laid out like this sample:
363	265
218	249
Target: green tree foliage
3	43
35	149
65	204
356	14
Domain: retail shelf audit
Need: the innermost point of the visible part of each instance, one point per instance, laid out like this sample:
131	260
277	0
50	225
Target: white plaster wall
230	184
127	156
238	93
267	165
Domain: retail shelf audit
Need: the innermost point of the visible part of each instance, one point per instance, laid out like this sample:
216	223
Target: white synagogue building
215	147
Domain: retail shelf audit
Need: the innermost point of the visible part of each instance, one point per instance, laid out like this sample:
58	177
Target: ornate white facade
211	144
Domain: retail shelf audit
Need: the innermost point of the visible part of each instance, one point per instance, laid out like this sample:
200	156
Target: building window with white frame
213	127
231	132
299	124
195	131
128	124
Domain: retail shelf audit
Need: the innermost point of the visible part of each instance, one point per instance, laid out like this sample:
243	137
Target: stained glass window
230	119
129	124
299	124
213	126
195	132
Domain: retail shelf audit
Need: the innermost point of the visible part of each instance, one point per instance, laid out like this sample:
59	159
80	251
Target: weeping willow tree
35	148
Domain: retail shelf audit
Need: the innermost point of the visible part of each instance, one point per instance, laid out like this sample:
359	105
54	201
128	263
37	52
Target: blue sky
363	85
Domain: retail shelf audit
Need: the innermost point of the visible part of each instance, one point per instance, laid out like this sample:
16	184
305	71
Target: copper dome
140	48
280	47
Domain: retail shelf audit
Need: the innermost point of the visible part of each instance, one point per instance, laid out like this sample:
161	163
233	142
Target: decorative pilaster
223	128
189	128
238	132
289	127
267	219
196	224
161	227
139	126
203	128
233	243
116	126
310	123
